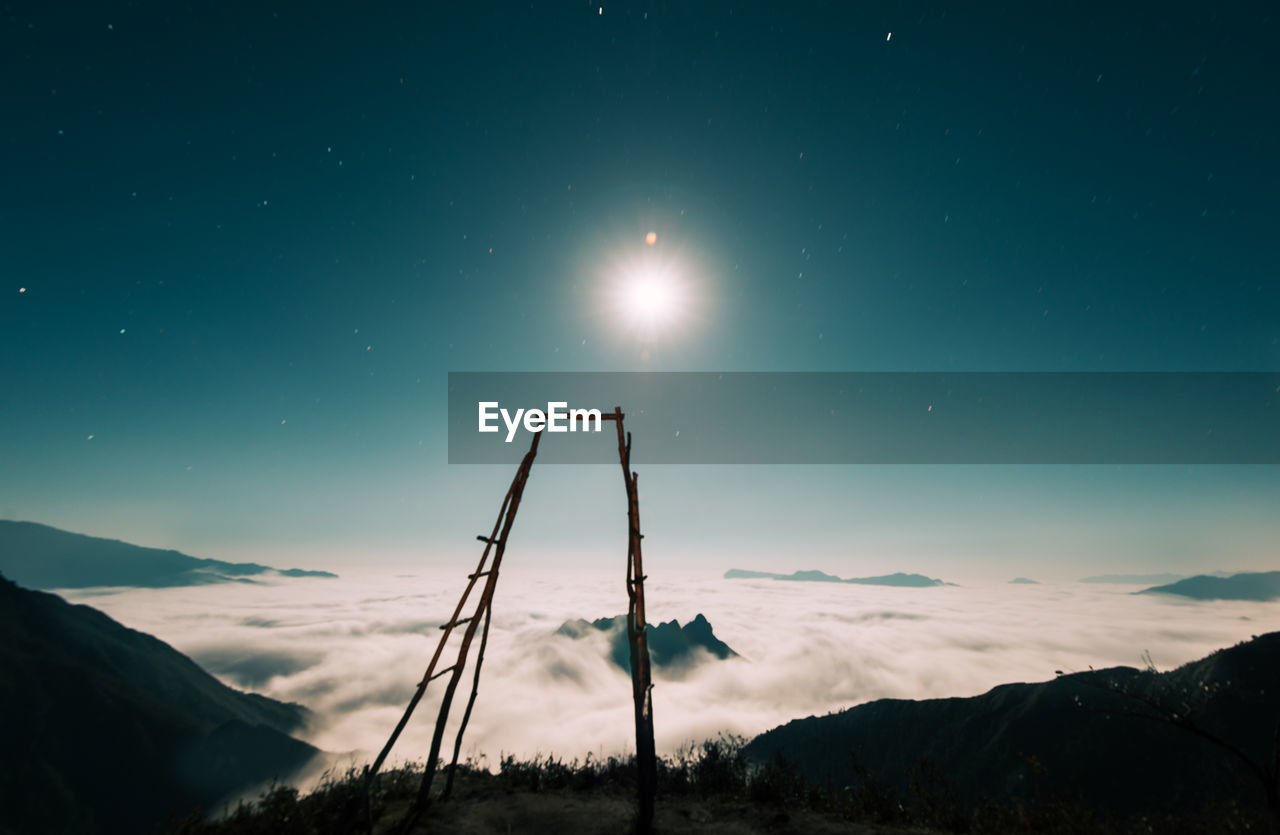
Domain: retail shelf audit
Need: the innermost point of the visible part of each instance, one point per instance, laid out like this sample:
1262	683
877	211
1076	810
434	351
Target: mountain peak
813	576
42	557
1049	735
670	644
104	708
1261	586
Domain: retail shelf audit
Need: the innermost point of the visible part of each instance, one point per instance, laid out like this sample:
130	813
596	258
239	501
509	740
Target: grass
711	785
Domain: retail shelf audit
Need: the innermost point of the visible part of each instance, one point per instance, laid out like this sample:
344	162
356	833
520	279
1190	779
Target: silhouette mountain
38	556
1103	738
1133	579
107	729
745	574
1248	586
1023	581
897	579
671	646
1145	579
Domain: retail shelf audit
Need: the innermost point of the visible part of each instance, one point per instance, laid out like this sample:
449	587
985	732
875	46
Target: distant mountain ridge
42	557
670	644
1133	579
114	729
1073	738
896	579
1145	579
1259	586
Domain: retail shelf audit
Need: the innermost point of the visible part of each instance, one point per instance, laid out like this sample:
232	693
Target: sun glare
652	294
650	298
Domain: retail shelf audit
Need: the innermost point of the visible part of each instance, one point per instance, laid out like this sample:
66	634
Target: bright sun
650	297
654	294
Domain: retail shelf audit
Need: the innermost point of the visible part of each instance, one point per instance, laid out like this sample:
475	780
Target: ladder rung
641	580
458	622
479	574
442	672
484	538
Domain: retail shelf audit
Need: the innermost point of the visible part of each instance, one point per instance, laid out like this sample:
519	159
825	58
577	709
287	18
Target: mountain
898	579
1109	739
1249	586
744	574
1146	579
1023	581
671	646
41	557
107	729
810	577
1133	579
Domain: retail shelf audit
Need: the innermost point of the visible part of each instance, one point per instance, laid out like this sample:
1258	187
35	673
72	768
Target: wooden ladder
637	637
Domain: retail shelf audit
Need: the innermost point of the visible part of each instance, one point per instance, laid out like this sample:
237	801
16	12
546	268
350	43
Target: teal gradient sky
241	247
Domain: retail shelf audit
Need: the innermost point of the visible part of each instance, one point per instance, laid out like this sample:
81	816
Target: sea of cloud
353	649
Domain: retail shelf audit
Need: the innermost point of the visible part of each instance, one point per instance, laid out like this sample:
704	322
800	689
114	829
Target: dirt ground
507	813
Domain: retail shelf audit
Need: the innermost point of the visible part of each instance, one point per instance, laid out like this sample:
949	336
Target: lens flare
647	287
650	298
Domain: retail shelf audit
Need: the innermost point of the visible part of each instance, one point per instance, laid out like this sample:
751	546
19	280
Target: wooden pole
471	702
423	799
638	639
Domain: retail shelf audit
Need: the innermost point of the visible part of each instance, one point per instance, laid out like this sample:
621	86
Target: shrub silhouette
715	772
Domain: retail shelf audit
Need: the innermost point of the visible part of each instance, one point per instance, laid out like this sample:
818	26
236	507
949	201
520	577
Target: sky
242	245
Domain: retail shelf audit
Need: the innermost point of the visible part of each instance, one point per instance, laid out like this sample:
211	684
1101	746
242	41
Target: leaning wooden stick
638	638
423	799
430	674
471	702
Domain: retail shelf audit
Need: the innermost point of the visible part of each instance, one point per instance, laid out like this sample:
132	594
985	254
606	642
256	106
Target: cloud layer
353	649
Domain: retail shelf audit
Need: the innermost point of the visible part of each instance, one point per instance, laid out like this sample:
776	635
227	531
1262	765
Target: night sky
241	246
